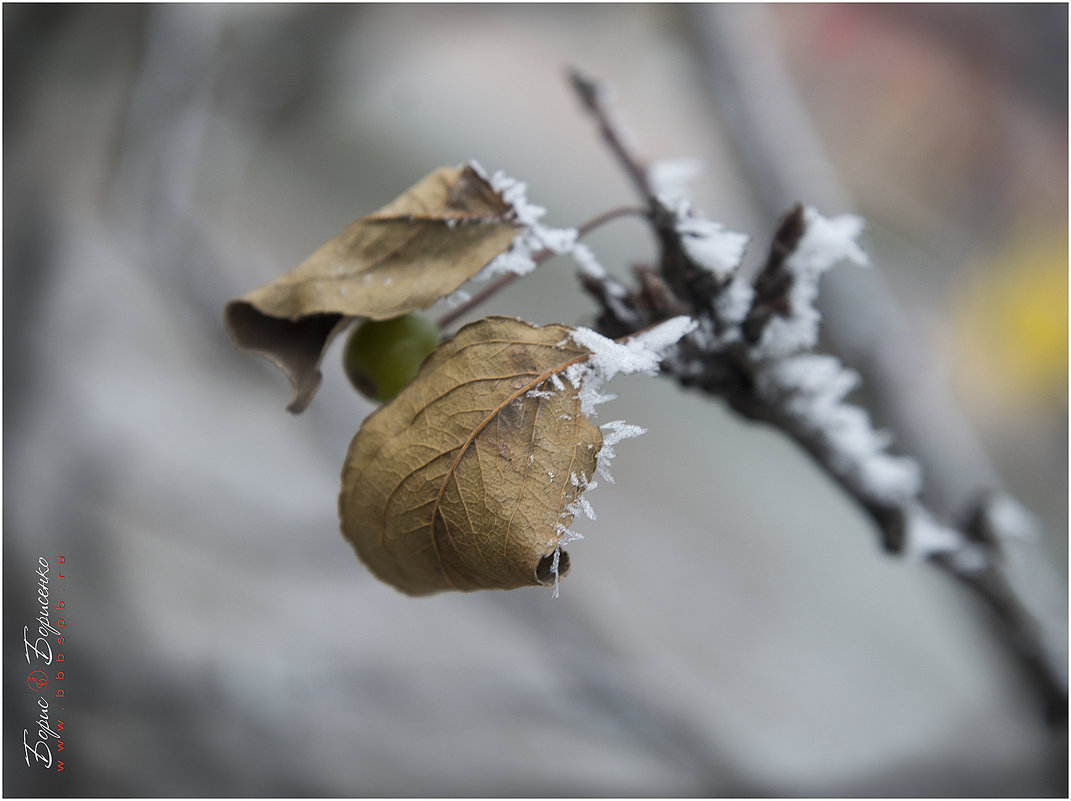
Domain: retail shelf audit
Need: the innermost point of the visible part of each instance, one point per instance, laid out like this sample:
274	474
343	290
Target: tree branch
754	347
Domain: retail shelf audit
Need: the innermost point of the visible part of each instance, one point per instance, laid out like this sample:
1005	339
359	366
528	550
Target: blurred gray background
730	626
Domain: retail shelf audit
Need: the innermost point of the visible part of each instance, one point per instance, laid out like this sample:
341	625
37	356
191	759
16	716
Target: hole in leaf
545	568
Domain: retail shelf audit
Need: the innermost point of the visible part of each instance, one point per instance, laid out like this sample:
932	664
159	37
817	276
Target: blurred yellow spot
1012	325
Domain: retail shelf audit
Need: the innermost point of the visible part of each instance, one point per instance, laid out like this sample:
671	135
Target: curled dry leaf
402	258
466	479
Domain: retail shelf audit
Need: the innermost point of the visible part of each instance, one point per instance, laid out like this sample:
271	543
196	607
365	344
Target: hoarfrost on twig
669	178
457	298
639	354
825	243
587	262
809	389
926	538
533	237
1007	518
733	302
708	243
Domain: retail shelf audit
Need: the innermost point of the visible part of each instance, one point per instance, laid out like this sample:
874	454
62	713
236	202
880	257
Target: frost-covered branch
504	276
754	345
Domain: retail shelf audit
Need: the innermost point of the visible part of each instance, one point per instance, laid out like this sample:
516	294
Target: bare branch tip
585	87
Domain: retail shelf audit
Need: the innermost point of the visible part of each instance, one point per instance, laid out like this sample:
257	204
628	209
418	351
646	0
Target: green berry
382	356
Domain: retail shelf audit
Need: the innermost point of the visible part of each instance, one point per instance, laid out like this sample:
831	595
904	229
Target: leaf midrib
451	472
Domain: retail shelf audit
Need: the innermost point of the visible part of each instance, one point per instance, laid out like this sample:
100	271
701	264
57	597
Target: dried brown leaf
402	258
466	479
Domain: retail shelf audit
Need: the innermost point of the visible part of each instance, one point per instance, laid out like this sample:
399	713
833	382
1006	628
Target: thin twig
493	289
593	96
478	298
599	220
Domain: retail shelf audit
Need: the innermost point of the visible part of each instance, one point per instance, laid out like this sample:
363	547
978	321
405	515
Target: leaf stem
610	214
582	230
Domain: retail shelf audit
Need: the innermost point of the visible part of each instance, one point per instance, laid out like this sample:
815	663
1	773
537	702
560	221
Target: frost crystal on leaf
639	354
515	193
708	244
613	433
581	505
565	536
534	236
